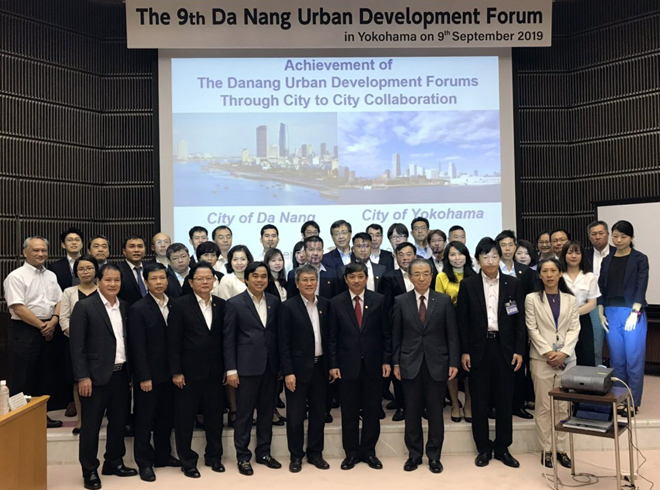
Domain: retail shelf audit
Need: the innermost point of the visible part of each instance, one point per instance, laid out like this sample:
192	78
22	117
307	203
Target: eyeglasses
394	237
203	279
341	233
85	269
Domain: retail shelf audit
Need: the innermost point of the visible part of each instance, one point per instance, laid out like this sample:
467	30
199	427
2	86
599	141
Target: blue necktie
143	289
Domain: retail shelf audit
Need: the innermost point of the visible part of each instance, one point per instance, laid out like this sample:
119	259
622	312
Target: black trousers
206	393
584	350
27	360
109	399
523	386
494	374
398	390
311	393
363	393
154	411
255	392
424	392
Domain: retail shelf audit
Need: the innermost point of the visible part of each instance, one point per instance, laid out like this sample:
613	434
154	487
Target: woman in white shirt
233	283
584	285
85	269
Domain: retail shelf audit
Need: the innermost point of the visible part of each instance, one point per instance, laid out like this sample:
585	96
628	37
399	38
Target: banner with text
278	24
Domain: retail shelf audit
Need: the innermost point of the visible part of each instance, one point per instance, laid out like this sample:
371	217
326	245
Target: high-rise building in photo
262	141
324	149
284	140
396	166
451	170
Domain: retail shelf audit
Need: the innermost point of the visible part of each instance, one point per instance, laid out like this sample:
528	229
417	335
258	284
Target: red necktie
422	309
358	311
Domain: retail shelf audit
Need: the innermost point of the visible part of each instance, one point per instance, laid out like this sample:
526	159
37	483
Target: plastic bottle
4	398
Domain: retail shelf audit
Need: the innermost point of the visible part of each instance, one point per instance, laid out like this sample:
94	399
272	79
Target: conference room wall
76	129
587	122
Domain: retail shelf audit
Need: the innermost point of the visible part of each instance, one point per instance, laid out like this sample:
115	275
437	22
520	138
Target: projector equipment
586	379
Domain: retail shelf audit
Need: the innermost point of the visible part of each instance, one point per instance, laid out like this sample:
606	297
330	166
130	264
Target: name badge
511	308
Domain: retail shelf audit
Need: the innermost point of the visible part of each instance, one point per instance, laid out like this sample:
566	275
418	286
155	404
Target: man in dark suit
426	356
437	241
72	243
99	248
303	355
178	270
328	285
340	232
154	391
378	256
252	363
491	318
132	284
195	338
362	253
395	283
99	356
529	281
360	351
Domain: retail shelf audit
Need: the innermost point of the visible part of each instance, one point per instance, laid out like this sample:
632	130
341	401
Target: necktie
143	290
422	309
358	311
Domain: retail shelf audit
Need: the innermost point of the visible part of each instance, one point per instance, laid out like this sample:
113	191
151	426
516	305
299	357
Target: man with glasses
310	228
362	254
379	256
159	244
491	324
558	238
426	355
397	234
341	232
420	232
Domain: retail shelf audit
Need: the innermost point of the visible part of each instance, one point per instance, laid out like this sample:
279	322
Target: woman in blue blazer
623	280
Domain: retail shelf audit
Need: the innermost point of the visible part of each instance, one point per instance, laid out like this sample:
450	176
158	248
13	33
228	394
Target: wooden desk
23	447
614	398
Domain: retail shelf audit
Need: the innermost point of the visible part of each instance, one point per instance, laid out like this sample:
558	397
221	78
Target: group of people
225	332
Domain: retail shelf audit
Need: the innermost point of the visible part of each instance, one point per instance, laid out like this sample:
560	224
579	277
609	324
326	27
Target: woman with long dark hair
623	280
274	259
553	324
584	285
456	266
298	255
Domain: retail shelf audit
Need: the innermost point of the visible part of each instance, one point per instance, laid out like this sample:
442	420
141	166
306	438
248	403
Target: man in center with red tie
360	355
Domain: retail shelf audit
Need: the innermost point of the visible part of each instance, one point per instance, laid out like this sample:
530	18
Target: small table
614	398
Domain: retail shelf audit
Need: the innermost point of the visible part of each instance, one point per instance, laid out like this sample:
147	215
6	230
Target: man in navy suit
360	355
341	232
132	283
154	391
362	253
599	236
328	284
252	363
378	256
178	270
72	243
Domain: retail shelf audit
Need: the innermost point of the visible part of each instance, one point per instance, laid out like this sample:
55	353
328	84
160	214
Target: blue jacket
635	281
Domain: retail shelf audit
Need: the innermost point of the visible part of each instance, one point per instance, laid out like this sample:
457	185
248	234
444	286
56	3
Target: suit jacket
348	344
296	337
435	340
147	335
635	282
328	284
378	273
473	318
248	344
589	257
130	291
392	285
63	272
541	326
174	289
332	260
529	278
92	340
387	259
195	350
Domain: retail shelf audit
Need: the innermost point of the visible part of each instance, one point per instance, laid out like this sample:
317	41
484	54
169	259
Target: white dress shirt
260	305
424	252
438	264
345	258
318	283
492	296
281	290
71	262
506	271
36	289
375	258
407	281
135	272
361	296
162	306
426	299
584	288
114	313
221	265
598	260
207	309
371	280
180	277
313	312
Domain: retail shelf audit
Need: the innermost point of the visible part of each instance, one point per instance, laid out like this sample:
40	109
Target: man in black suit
426	356
132	284
72	243
99	356
252	363
99	248
195	338
303	355
328	285
178	270
362	253
154	391
437	241
493	340
360	351
529	282
340	232
395	283
378	256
